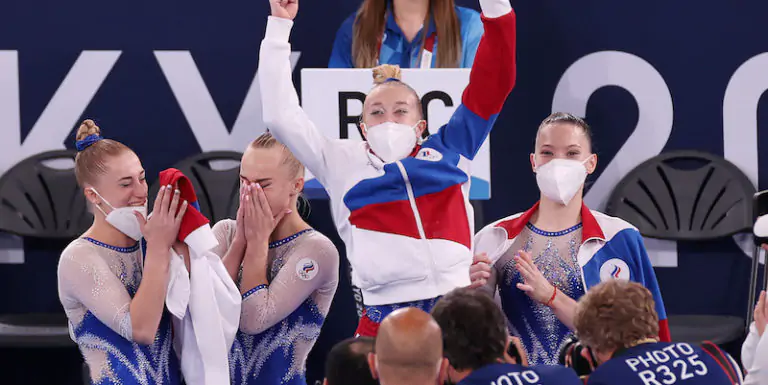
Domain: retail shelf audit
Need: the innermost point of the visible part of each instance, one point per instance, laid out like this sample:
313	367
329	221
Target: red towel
193	218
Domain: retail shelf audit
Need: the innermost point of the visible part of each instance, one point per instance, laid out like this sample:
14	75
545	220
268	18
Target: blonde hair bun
386	72
87	127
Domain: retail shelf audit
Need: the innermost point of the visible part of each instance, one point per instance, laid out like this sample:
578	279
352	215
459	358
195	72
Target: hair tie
87	141
391	80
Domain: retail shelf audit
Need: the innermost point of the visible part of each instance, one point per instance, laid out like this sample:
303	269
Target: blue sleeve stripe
466	131
254	290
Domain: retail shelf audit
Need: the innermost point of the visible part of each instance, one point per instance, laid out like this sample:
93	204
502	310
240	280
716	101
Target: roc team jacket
407	225
611	248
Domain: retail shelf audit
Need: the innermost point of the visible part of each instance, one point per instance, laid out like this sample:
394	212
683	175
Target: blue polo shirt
396	49
666	363
501	374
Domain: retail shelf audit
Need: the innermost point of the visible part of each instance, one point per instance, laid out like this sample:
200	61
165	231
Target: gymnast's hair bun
386	73
87	128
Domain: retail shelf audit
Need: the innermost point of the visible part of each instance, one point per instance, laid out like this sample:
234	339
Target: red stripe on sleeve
494	70
664	335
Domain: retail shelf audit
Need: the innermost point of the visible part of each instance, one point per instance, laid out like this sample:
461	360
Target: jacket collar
590	228
377	163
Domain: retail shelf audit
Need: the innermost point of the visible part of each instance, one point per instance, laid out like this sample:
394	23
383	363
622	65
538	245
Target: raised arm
490	81
282	113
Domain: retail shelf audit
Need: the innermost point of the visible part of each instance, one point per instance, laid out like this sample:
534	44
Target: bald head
409	348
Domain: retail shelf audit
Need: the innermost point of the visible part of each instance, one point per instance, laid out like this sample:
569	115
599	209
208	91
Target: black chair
41	202
217	189
690	196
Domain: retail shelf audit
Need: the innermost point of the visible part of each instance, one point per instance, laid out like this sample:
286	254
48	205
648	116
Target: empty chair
690	196
40	199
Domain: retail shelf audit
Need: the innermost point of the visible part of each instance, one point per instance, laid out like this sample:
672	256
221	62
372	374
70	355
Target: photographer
617	322
475	341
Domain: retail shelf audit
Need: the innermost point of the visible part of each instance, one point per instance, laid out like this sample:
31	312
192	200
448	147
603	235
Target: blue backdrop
696	49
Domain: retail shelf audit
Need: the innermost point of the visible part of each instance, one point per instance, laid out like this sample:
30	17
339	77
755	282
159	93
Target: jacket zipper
419	224
581	268
412	200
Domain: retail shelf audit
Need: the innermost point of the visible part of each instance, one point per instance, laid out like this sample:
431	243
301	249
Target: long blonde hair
369	27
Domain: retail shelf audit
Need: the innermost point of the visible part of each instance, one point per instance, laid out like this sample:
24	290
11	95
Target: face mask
123	219
392	141
560	179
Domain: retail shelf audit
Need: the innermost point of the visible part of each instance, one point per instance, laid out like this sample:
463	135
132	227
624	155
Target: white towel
205	304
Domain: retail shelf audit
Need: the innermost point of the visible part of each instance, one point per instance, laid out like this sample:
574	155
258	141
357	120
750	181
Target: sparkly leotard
554	253
280	323
96	285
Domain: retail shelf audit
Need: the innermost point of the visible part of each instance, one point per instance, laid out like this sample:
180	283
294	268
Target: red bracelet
552	299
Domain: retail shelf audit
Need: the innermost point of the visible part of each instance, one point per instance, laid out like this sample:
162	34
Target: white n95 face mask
560	179
392	141
123	219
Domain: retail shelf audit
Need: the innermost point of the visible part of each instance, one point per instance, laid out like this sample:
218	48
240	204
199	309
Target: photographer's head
616	315
347	363
408	349
474	332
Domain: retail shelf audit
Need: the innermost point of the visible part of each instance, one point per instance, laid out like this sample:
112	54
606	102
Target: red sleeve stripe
714	351
494	70
664	335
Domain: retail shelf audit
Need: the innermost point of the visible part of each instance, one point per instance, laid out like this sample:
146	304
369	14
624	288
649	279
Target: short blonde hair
266	140
615	315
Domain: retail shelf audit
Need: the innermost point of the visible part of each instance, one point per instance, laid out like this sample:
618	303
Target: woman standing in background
393	32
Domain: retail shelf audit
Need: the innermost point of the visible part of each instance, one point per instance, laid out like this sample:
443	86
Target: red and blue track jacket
407	225
611	248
